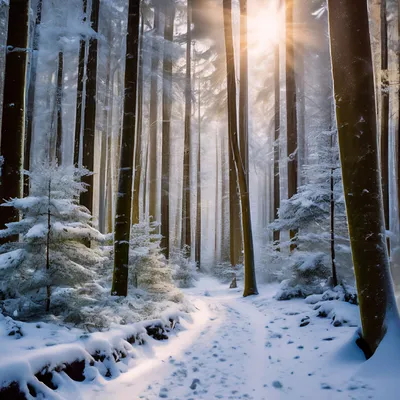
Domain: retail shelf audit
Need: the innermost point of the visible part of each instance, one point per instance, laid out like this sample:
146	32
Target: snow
231	348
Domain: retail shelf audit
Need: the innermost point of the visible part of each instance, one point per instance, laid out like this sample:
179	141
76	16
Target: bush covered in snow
49	264
184	270
225	272
309	272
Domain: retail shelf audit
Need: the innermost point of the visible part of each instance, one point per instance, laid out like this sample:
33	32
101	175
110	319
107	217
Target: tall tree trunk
166	127
89	120
105	160
244	90
277	126
139	139
356	121
31	95
59	110
291	110
122	228
197	255
110	199
186	241
79	93
14	107
153	123
250	286
225	249
217	202
384	142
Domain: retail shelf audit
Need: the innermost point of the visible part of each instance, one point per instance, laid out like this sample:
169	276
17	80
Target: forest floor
254	348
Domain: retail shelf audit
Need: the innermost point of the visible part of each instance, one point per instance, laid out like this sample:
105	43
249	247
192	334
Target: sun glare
264	27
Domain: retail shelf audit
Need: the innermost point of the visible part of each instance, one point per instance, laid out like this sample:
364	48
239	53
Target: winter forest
199	199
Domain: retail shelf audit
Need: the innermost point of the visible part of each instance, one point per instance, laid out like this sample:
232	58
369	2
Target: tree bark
89	120
153	123
139	138
250	286
197	255
166	127
244	90
384	140
31	95
122	228
291	111
14	107
186	240
79	94
59	111
356	121
277	126
217	202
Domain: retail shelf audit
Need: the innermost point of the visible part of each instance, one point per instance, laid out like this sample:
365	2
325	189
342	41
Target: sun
264	27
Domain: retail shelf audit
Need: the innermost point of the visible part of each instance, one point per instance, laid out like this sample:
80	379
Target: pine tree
48	262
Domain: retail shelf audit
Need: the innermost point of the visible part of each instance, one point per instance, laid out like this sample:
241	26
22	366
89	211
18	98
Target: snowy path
242	349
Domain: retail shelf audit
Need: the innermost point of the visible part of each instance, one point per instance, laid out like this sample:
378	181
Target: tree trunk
79	94
153	123
124	199
291	111
105	160
250	286
197	255
217	202
59	100
89	120
225	249
356	121
384	142
277	126
186	241
166	127
139	139
13	117
31	95
244	90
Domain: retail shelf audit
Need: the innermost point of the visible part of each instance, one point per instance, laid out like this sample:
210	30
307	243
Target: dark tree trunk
356	121
59	111
79	94
186	241
244	90
13	117
250	286
89	120
155	61
139	138
166	127
291	110
31	95
122	228
384	145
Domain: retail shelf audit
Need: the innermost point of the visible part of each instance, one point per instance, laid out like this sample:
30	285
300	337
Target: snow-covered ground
254	348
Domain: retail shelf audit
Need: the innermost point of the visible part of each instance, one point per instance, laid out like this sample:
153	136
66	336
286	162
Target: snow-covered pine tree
308	212
148	267
49	262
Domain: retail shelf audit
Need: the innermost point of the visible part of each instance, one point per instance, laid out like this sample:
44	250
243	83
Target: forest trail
236	348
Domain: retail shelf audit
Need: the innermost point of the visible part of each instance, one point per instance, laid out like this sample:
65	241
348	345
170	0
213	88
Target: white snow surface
233	348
